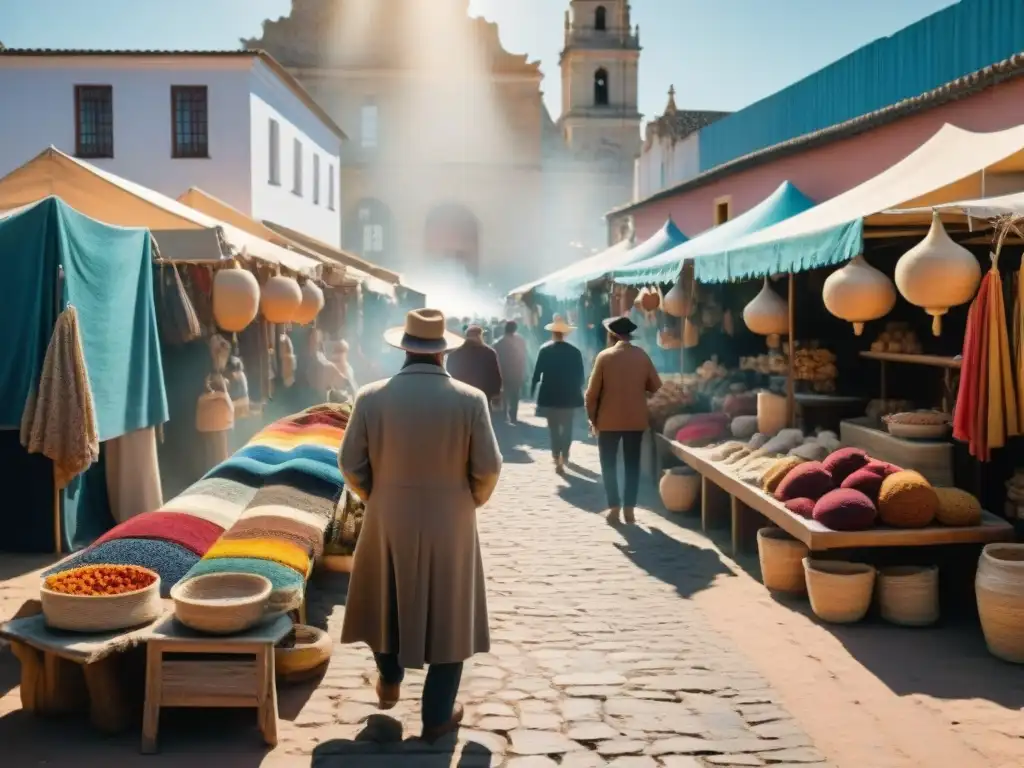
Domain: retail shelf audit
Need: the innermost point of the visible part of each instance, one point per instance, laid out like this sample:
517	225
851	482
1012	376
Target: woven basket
221	603
840	592
909	595
101	613
679	489
307	658
781	557
999	587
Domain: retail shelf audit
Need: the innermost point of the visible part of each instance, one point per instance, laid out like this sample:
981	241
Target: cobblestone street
600	657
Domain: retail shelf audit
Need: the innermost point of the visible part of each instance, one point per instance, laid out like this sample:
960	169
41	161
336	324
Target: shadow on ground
383	743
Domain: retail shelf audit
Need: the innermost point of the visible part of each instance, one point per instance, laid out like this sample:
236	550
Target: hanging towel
59	420
133	474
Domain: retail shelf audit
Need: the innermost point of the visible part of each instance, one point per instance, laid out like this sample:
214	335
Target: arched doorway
368	231
453	234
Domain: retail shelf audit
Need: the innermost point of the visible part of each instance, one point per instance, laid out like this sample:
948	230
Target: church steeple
599	62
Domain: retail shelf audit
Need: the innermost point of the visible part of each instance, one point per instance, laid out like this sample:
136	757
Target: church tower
600	61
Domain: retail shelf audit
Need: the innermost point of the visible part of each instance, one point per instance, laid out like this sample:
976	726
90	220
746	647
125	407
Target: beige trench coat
421	451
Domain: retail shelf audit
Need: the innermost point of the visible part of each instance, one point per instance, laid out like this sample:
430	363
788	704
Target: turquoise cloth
281	576
571	282
108	278
705	248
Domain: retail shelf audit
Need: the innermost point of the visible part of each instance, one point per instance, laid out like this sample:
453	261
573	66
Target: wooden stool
245	681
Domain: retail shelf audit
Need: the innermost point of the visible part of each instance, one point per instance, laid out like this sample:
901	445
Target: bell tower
600	62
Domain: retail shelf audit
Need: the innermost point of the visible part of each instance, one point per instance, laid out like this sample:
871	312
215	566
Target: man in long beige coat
421	451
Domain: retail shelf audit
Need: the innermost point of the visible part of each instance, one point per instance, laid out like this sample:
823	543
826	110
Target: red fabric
319	418
979	440
972	397
700	432
187	531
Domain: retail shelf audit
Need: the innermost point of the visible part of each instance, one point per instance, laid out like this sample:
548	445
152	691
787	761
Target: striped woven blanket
281	531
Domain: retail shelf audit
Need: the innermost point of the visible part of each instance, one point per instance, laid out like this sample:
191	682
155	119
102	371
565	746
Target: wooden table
245	681
723	496
65	672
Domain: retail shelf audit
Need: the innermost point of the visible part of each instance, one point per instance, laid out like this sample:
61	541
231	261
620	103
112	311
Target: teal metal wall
940	48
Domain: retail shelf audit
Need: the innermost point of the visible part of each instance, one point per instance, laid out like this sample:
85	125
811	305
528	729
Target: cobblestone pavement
598	659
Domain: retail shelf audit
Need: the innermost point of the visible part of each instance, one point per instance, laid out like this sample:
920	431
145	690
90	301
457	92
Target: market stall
81	382
885	478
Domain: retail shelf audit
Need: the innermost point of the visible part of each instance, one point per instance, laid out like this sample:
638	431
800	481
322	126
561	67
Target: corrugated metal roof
286	77
960	88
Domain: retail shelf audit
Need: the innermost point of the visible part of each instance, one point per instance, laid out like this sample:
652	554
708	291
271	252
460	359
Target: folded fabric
193	533
276	550
317	499
169	560
313	430
315	517
219	512
284	472
287	442
310	540
337	415
269	454
288	584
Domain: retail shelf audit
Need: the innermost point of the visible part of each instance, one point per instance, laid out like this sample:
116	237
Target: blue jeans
608	451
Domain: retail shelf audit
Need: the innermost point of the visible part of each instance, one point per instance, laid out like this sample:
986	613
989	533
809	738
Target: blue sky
720	54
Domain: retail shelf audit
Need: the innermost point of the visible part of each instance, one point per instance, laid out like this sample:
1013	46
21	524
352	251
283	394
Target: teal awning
572	281
664	267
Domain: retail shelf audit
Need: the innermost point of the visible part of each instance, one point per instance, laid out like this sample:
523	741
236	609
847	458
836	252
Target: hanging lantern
767	313
236	298
648	300
676	303
937	274
280	300
312	303
858	293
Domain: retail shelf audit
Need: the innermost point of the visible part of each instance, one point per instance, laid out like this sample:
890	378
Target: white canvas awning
980	208
114	200
949	166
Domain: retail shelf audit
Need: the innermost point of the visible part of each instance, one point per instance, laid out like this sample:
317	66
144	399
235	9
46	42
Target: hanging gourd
937	274
236	298
648	300
676	303
280	300
858	293
767	313
312	303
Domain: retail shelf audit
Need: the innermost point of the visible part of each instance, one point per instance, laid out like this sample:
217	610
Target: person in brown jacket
511	349
616	401
476	364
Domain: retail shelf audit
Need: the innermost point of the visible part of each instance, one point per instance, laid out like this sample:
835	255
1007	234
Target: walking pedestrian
421	452
476	364
616	399
559	372
511	349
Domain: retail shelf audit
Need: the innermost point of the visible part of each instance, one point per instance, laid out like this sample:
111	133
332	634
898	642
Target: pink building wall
826	171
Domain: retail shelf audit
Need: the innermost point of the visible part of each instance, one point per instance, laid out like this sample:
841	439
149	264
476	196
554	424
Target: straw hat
424	333
558	325
620	326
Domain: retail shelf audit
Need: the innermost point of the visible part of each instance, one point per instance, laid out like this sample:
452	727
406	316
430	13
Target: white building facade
234	124
671	148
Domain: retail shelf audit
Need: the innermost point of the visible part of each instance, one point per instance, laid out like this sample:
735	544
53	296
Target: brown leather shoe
435	732
630	517
388	694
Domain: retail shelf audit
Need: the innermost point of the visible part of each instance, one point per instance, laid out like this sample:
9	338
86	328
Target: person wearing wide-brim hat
560	377
622	378
421	452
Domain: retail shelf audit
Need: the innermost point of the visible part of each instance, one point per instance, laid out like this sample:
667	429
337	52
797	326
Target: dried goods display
100	580
897	338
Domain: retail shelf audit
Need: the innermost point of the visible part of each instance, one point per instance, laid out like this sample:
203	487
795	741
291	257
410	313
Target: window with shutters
94	121
190	121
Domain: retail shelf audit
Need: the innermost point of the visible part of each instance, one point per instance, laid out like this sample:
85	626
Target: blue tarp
108	278
571	282
784	202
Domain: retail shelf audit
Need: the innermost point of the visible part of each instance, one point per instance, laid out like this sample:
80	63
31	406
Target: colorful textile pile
172	539
281	531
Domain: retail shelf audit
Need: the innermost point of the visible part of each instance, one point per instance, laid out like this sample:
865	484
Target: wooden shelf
934	361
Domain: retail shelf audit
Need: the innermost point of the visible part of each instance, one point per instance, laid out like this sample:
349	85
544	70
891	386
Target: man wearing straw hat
622	378
559	373
421	452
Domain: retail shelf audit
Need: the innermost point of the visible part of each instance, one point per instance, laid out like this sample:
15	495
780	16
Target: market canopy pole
790	380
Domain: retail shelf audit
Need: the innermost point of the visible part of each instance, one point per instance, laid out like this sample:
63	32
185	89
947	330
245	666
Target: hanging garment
1003	419
133	474
59	420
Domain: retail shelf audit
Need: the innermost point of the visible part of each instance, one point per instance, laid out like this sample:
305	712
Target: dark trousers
439	691
510	403
608	450
560	426
442	684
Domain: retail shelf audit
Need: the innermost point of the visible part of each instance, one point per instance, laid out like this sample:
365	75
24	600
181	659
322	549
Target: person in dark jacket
476	364
511	351
559	372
